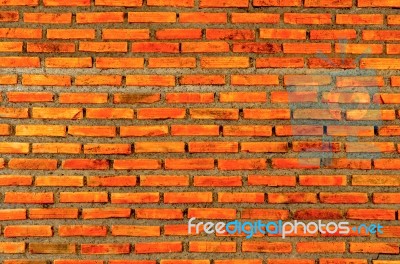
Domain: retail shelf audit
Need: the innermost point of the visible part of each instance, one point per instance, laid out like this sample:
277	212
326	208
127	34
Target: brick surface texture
122	119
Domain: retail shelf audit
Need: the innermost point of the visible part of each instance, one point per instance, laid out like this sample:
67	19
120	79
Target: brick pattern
122	119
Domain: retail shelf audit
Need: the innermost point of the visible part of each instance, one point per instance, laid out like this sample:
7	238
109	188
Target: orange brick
32	164
20	33
374	248
12	247
83	98
230	34
279	63
266	247
65	148
9	16
307	48
323	180
324	114
137	164
8	79
143	213
307	18
321	247
136	98
224	3
189	164
203	17
213	147
255	18
103	46
82	62
83	197
303	130
19	62
117	63
386	198
381	35
250	130
46	80
89	249
71	33
151	17
28	231
125	3
268	33
375	3
359	48
150	80
50	47
85	164
29	198
243	197
82	230
393	19
41	130
158	247
214	113
202	80
204	47
10	46
63	3
328	3
48	18
18	97
242	97
113	181
212	247
161	113
359	19
343	198
262	180
143	131
315	146
224	62
168	62
159	147
294	163
134	230
164	180
105	213
135	198
277	3
242	164
107	149
96	80
187	197
254	80
100	17
189	97
217	181
279	114
175	33
53	213
257	47
75	181
20	3
57	113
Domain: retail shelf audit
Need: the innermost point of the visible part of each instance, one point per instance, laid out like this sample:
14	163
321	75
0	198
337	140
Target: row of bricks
194	98
199	181
205	261
198	17
201	213
202	197
200	164
197	47
208	3
196	130
197	33
206	113
170	80
196	147
191	62
210	246
167	230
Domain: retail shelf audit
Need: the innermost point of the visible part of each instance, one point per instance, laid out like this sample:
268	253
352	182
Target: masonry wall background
122	119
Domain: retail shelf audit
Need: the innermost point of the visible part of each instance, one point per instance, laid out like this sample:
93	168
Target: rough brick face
122	119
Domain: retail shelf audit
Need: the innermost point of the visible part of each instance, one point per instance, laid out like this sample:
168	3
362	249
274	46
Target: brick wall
122	119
